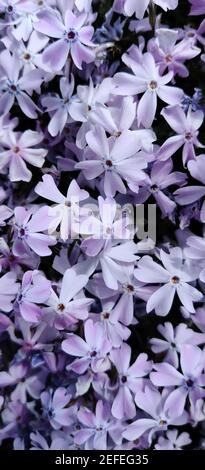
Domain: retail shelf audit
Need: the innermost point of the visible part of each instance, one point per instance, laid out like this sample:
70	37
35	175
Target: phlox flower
35	290
55	406
176	275
8	290
72	34
146	79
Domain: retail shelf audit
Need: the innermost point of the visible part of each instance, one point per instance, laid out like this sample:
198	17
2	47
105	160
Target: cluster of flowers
101	105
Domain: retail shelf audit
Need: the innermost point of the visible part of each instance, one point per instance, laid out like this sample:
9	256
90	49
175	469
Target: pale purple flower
115	330
28	228
115	161
19	149
15	86
66	211
71	305
55	407
96	427
130	380
154	404
189	382
173	440
35	290
173	339
73	37
28	54
59	107
58	442
161	177
92	352
170	54
186	126
8	290
176	275
145	79
195	249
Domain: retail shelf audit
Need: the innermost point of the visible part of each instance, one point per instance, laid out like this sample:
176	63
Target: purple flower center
108	163
93	354
188	136
124	379
71	35
13	87
190	383
10	8
22	232
168	58
153	85
16	149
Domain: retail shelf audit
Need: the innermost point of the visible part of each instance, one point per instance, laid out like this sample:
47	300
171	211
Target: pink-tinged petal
72	284
27	105
171	95
31	80
85	35
121	358
188	195
83	435
127	84
30	312
6	102
73	21
123	405
141	366
196	168
191	359
48	23
149	401
166	376
75	346
189	294
150	272
56	54
124	309
161	300
11	65
113	183
98	142
80	366
81	53
39	220
147	108
18	170
49	190
21	215
40	243
170	147
176	118
175	402
58	122
138	428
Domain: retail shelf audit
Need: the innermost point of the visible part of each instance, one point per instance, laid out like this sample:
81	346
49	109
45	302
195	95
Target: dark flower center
130	288
93	354
168	58
162	422
10	8
61	307
124	379
188	135
27	56
191	34
22	232
106	315
154	188
190	383
153	85
13	87
108	163
71	35
175	280
16	149
67	203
